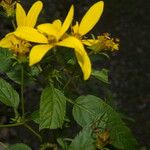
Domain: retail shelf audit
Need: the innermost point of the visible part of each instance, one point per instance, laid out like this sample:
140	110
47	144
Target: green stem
3	145
13	23
33	131
22	90
11	125
70	79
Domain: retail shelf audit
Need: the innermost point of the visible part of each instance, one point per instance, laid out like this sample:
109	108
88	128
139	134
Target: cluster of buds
9	7
104	42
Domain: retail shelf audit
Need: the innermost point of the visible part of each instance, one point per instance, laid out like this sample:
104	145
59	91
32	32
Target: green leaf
19	146
62	143
101	75
35	116
52	108
83	141
88	109
14	73
8	95
5	59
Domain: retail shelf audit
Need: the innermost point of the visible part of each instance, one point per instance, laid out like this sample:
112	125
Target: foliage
62	101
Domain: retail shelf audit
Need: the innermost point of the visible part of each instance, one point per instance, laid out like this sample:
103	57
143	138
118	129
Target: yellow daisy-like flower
18	45
89	20
54	35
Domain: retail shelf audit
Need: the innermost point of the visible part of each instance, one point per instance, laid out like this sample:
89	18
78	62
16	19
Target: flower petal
57	23
34	13
84	63
75	28
91	18
30	34
38	52
20	15
48	28
67	22
89	42
6	41
81	54
71	42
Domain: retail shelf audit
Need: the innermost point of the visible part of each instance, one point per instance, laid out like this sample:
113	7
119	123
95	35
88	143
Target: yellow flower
18	45
30	18
55	36
14	43
89	20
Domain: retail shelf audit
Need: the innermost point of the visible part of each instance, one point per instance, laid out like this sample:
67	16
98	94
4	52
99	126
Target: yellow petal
38	52
84	63
20	15
75	28
57	23
89	42
91	18
67	22
72	42
30	34
48	28
81	54
34	13
6	42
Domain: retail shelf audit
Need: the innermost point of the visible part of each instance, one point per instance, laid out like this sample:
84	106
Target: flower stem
22	91
3	145
33	131
11	125
13	24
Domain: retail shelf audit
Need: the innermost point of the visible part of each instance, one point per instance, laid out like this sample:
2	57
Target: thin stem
3	145
11	125
70	79
33	131
22	90
13	23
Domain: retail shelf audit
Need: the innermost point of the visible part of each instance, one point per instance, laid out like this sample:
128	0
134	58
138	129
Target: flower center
19	46
51	39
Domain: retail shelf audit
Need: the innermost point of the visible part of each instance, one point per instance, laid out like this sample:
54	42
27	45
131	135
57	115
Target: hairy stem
33	131
22	91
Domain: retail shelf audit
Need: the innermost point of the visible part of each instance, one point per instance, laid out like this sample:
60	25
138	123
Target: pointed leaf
19	146
8	95
83	141
52	108
5	59
35	116
88	109
101	75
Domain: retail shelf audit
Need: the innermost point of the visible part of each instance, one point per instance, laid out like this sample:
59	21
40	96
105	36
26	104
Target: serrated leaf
101	75
19	146
5	59
83	141
8	95
52	108
88	109
35	116
14	73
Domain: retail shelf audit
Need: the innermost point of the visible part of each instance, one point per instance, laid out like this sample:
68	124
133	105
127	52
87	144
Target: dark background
127	20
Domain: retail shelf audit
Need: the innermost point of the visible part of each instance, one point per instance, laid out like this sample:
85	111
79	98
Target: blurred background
127	20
